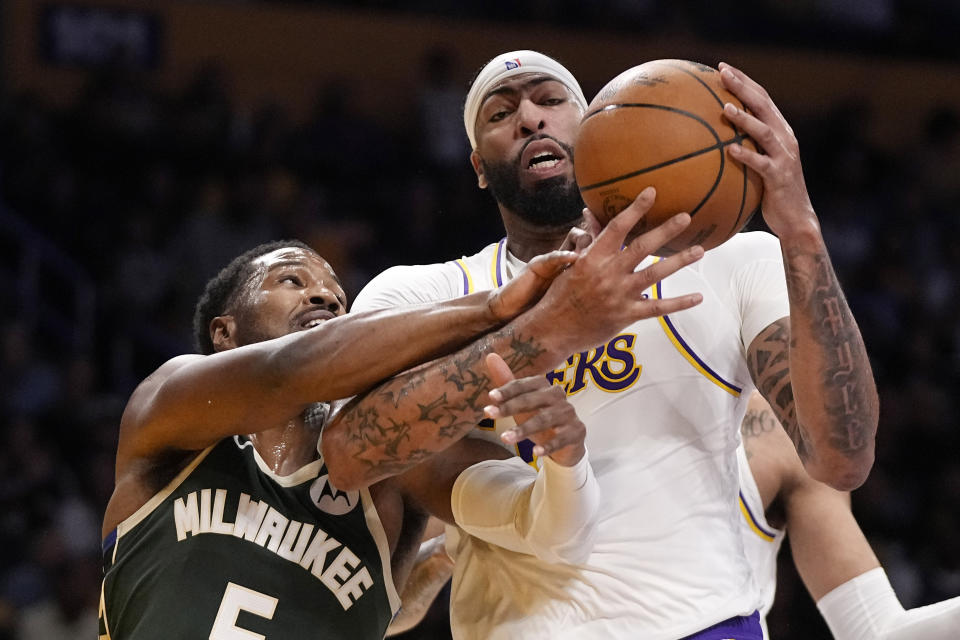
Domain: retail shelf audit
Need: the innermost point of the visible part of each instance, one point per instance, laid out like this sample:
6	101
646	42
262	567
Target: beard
553	202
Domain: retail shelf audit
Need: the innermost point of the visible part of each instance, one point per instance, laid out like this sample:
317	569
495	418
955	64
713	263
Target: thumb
500	372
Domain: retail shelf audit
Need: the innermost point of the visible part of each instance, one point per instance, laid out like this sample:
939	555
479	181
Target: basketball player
664	398
832	555
224	522
834	559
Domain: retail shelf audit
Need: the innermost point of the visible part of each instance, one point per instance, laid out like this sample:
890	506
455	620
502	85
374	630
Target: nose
325	298
529	117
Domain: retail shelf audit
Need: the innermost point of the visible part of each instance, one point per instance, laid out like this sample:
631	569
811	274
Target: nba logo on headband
507	65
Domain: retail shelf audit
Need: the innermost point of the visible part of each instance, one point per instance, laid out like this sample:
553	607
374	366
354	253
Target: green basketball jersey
229	551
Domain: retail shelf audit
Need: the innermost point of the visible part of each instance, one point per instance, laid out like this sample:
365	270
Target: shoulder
410	284
140	407
155	380
744	248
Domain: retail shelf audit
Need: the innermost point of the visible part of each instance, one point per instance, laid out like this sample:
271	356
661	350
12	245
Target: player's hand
786	204
523	291
541	411
580	237
603	291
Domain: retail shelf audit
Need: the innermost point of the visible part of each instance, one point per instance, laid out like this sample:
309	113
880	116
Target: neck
526	240
288	447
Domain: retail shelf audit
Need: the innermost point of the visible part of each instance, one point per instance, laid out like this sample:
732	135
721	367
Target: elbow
574	551
340	473
847	474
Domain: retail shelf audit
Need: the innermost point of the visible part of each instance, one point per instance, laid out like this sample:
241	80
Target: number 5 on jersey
237	599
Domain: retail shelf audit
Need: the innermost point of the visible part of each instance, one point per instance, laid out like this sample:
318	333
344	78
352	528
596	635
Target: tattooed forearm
420	412
846	378
813	370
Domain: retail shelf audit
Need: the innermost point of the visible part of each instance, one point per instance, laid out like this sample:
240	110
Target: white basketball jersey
761	542
662	402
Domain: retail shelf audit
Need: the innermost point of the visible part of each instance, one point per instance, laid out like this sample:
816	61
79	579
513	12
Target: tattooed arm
423	411
813	369
812	366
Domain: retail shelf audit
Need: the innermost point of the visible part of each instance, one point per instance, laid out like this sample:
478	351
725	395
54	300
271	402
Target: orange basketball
662	124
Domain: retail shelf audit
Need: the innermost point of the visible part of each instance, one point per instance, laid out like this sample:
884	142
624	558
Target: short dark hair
222	290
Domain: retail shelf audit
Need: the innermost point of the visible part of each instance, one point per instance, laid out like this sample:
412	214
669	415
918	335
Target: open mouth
316	317
544	160
543	156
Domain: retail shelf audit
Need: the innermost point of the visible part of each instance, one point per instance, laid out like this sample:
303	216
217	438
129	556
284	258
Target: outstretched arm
193	400
844	577
813	366
418	413
830	551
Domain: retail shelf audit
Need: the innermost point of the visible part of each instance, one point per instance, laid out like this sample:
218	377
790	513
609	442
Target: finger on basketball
761	133
646	243
752	93
613	235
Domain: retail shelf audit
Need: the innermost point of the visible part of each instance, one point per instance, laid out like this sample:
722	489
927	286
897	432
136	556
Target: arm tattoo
841	350
755	424
769	363
413	415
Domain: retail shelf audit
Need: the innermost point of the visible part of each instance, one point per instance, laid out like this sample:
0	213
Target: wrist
805	233
569	456
572	477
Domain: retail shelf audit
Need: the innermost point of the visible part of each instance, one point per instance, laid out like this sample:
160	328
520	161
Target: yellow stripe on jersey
674	336
493	264
102	614
753	523
466	274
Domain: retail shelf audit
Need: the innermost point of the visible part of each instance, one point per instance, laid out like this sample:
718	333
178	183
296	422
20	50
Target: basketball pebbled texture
661	124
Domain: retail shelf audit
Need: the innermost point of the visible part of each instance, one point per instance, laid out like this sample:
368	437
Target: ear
478	169
223	330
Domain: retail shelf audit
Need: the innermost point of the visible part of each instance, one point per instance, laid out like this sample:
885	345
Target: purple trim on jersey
466	279
499	276
753	518
109	541
693	354
738	628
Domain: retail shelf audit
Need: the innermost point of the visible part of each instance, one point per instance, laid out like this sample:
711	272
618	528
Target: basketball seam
714	147
740	134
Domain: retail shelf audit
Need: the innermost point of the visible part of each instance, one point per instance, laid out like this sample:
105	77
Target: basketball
661	123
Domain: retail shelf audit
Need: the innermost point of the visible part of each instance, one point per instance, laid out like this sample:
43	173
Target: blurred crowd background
119	201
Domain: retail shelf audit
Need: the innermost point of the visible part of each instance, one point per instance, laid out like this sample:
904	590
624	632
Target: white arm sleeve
551	514
866	608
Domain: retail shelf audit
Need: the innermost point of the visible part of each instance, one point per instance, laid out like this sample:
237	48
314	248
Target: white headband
511	64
